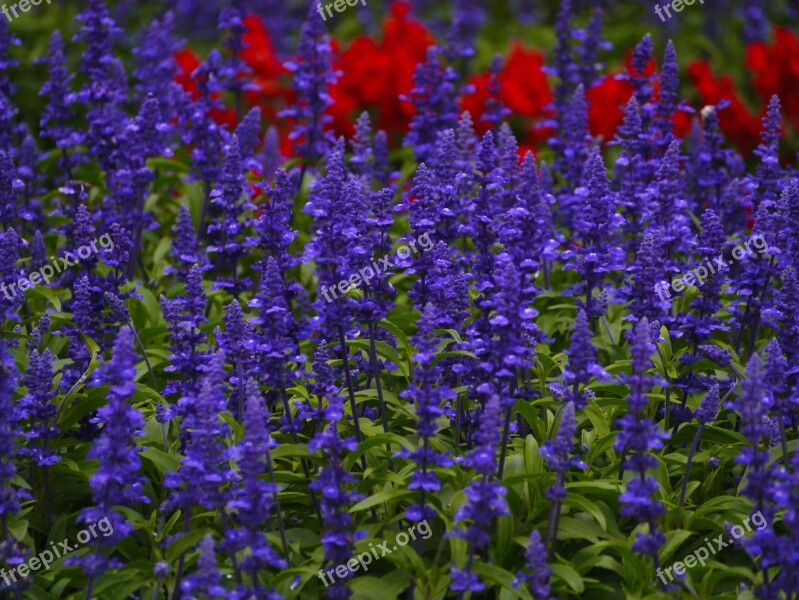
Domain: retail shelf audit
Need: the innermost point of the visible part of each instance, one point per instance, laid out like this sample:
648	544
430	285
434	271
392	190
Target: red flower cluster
375	74
738	124
776	71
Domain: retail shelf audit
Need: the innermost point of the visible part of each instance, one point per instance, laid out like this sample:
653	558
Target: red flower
737	123
525	89
606	101
267	69
188	62
776	71
374	74
475	101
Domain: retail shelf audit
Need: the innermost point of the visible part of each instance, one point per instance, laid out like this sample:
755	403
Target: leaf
164	463
185	543
381	497
371	588
497	575
93	363
589	507
383	350
568	575
47	294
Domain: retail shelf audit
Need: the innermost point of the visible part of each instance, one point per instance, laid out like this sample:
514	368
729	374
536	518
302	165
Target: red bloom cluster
375	74
776	71
524	90
736	121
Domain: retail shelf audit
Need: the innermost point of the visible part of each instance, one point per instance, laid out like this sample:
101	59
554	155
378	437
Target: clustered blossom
429	400
119	480
165	383
333	482
582	365
485	497
39	409
639	437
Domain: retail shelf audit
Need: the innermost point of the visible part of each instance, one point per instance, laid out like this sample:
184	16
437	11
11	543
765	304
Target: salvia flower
10	496
561	457
39	409
334	482
252	498
10	187
105	92
495	110
485	497
207	582
597	256
247	133
759	478
429	396
639	437
434	98
118	480
582	365
226	233
185	248
58	112
156	66
313	74
536	572
204	475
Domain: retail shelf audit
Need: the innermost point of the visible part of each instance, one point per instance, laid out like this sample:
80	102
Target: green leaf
185	543
381	497
164	463
499	576
568	575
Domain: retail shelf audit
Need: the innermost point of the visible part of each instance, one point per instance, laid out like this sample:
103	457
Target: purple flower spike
118	480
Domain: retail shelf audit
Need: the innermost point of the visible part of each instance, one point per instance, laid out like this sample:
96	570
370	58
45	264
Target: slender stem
784	443
278	512
176	591
303	463
240	406
47	508
348	379
694	446
607	329
89	586
621	463
206	199
506	431
458	409
379	386
225	526
144	354
552	522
